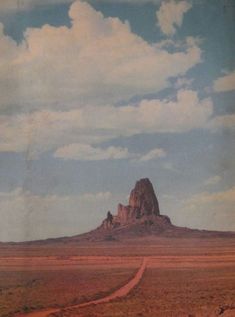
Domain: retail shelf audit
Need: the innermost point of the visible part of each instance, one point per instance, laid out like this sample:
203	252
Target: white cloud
60	85
75	72
86	152
96	61
170	15
95	197
227	196
222	122
132	1
13	5
205	210
170	167
27	196
183	82
212	180
22	5
48	130
153	154
27	216
225	83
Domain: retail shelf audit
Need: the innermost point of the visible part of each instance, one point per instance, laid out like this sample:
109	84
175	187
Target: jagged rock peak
143	208
143	198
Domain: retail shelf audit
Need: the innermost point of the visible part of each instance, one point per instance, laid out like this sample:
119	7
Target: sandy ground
119	293
181	277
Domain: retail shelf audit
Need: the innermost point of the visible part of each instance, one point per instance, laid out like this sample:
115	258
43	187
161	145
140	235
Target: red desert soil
29	284
121	292
190	287
184	277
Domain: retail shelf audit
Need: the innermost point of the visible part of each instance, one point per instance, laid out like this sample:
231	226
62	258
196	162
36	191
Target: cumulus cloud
132	1
86	152
152	155
97	60
55	82
13	5
214	211
170	15
21	195
22	5
95	197
170	167
183	82
212	180
43	131
227	196
27	216
225	83
222	122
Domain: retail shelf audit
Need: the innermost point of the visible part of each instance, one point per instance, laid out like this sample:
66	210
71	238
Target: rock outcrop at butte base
143	208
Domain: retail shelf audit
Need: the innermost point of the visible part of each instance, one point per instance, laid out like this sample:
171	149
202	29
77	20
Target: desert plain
182	277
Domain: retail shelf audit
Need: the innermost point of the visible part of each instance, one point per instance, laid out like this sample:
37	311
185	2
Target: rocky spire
143	207
143	198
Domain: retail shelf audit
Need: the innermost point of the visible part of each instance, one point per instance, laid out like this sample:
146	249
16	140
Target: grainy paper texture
94	96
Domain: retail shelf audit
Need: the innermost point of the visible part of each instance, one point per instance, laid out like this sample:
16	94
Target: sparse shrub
109	238
26	308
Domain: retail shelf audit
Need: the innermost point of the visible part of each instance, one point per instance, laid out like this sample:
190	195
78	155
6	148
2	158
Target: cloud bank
46	130
212	180
60	87
97	61
27	216
23	5
85	152
7	6
206	210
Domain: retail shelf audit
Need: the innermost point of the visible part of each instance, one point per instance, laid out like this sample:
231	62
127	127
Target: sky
98	94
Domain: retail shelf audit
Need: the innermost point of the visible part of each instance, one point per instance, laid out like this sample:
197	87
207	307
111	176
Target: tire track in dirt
121	292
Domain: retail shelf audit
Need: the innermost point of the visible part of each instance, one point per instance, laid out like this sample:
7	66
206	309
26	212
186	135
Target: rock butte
143	208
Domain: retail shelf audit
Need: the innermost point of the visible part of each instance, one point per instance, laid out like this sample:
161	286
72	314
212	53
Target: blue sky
95	95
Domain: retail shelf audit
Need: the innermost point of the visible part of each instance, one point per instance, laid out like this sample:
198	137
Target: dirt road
121	292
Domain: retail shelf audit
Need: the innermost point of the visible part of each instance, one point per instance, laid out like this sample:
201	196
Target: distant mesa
143	208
